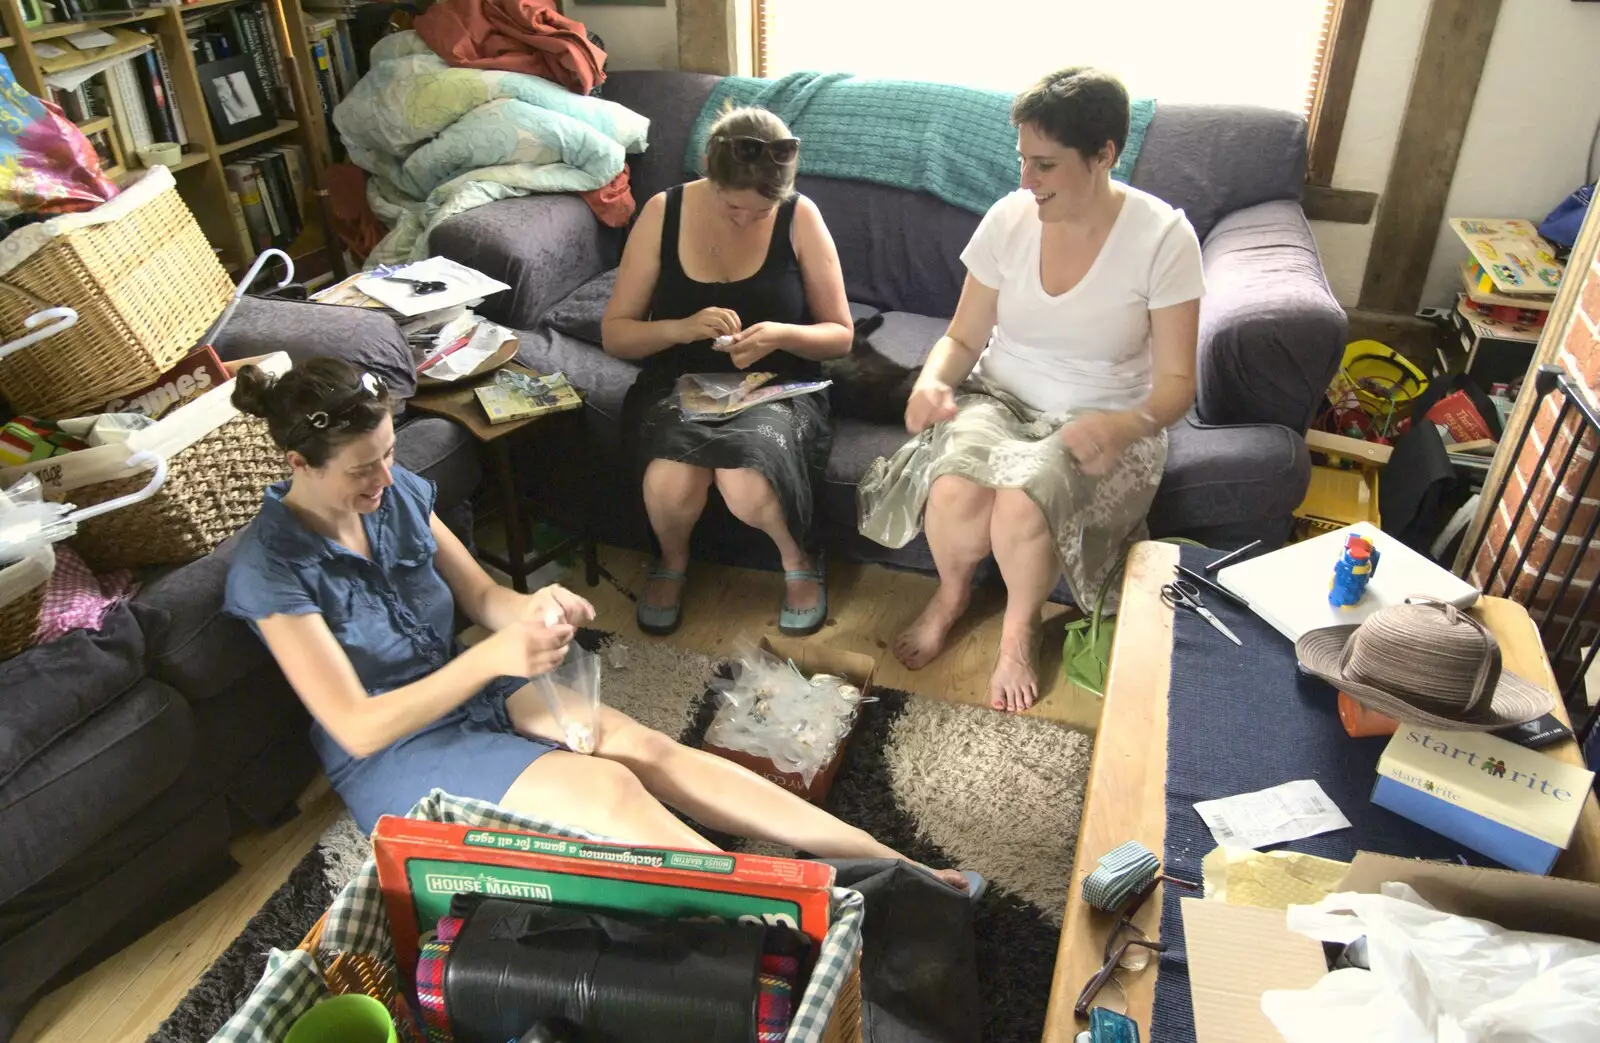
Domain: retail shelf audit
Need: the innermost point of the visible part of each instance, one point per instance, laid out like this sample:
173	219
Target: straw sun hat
1424	662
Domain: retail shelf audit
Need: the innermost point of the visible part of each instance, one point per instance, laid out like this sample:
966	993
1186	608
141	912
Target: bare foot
921	642
1014	686
802	593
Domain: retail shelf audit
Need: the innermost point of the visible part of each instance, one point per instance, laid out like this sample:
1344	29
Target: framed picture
238	105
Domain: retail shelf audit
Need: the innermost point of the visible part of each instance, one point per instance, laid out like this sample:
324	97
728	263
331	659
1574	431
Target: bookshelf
201	174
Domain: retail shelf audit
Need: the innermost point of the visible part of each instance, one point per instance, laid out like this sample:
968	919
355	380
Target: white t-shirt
1088	348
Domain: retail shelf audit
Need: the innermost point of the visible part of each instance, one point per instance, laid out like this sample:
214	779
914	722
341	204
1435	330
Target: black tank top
775	293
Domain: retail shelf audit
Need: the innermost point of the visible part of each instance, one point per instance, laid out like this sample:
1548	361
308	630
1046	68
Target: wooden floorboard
128	995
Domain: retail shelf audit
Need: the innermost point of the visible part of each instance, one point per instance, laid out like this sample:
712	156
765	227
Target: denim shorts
472	751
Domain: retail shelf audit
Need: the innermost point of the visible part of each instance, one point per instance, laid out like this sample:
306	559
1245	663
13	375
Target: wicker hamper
349	950
143	279
219	461
22	587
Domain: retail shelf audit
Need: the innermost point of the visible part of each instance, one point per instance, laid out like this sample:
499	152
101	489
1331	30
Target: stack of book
243	29
129	81
1507	287
333	56
267	195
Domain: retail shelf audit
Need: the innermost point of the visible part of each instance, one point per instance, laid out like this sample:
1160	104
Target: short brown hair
1078	108
316	407
765	176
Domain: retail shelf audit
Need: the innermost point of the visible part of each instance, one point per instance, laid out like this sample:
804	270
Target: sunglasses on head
747	149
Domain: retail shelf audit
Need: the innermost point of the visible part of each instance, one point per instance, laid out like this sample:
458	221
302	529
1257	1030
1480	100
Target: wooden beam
1343	205
1455	43
708	36
1333	92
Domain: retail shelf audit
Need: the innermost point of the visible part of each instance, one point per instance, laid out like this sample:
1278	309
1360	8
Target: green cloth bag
1086	649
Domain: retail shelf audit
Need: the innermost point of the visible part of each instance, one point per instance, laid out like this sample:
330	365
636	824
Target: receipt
1272	816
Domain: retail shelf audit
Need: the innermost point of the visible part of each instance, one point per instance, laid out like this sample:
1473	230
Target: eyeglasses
1124	945
747	149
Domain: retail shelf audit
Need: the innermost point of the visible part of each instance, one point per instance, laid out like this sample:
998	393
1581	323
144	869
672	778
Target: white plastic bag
770	709
572	694
1438	978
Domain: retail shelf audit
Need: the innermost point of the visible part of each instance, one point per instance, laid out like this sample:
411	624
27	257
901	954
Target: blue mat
1244	719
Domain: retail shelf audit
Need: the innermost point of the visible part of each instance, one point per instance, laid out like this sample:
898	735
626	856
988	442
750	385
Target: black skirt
786	442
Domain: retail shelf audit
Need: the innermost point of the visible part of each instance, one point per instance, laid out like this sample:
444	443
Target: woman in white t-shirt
1040	419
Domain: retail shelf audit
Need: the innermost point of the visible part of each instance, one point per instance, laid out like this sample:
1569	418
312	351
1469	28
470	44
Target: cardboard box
1516	805
423	864
812	660
1238	953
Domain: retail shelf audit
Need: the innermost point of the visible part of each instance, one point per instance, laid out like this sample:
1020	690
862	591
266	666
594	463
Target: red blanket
526	36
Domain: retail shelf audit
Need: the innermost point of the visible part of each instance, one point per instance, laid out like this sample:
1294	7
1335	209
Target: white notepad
1289	588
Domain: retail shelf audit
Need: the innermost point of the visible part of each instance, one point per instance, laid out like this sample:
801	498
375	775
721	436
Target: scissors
1182	592
420	286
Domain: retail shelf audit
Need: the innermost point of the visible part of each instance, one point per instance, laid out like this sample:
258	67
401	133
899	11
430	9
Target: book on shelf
180	133
157	102
242	179
132	115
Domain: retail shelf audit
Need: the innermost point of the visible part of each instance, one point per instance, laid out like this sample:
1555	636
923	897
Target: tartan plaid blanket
956	143
357	922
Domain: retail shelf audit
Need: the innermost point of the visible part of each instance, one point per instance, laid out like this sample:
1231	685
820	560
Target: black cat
867	384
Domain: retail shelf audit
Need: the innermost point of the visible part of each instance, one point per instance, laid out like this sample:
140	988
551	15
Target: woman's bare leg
1026	554
716	793
750	498
674	497
600	796
957	525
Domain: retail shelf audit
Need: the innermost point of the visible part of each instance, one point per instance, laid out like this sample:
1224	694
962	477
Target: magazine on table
718	396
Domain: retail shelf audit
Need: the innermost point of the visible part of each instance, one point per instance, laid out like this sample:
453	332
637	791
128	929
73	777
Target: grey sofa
130	757
1271	332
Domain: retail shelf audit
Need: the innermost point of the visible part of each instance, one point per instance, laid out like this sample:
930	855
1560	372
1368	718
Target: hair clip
318	420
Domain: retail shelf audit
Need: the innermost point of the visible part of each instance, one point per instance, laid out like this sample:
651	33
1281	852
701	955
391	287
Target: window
1289	54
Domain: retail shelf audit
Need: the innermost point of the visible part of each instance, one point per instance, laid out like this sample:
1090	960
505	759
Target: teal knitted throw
956	143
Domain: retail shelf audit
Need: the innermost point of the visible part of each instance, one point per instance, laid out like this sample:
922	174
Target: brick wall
1580	357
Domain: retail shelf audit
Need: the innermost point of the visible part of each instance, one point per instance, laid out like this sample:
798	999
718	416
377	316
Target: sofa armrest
542	246
1271	334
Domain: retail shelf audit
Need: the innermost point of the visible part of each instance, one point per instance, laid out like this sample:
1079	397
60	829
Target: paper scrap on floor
1277	815
1269	879
462	285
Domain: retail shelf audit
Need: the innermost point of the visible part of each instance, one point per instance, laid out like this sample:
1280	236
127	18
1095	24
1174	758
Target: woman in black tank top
735	255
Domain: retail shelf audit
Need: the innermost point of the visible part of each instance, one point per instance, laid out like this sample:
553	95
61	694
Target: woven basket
22	586
213	489
357	972
146	287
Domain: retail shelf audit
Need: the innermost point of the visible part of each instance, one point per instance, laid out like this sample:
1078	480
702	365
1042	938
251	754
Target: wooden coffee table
458	402
1127	790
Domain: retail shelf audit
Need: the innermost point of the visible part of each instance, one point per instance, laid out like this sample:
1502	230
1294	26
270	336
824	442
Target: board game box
422	865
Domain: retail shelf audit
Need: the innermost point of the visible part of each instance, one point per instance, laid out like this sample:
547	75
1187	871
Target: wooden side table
457	402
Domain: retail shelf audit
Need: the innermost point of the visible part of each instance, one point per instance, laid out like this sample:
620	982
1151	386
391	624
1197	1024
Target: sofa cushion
49	690
1210	160
1227	476
670	101
579	313
445	453
908	338
90	779
366	338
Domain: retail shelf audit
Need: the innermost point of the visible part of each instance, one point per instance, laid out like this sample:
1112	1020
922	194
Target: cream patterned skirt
996	441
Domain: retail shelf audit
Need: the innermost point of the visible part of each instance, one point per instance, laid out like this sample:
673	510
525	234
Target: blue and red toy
1354	570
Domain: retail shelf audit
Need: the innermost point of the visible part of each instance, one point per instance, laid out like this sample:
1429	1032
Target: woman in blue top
352	582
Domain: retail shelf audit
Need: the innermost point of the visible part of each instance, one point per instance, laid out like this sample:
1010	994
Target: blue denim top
393	613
